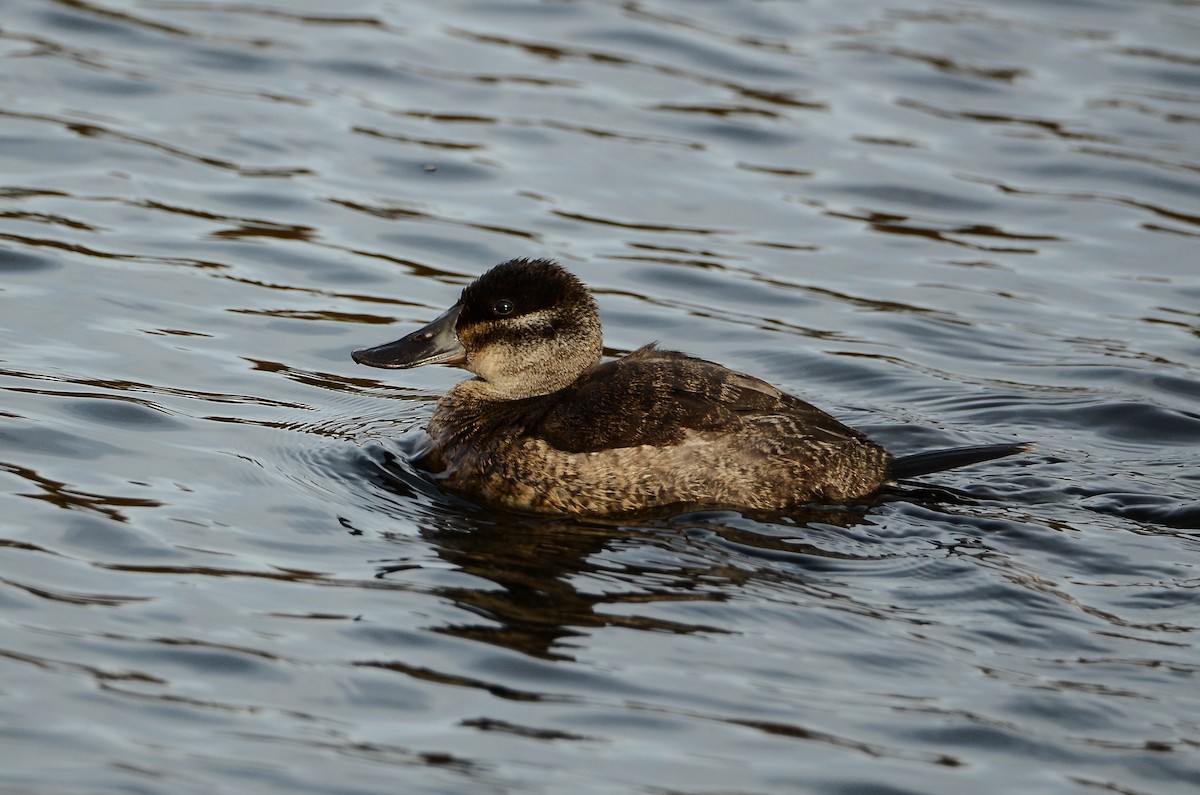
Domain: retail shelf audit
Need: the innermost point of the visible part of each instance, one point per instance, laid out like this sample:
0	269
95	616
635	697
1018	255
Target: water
946	222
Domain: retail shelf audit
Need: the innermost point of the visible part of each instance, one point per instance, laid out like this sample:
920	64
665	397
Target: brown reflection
49	219
1056	128
490	79
321	380
81	599
279	574
1174	215
761	545
603	58
1171	117
537	607
943	63
13	192
593	219
405	213
74	248
540	606
316	314
546	581
877	140
92	130
660	18
125	17
775	171
101	675
722	111
429	675
892	224
243	227
123	386
597	132
493	725
426	142
174	332
1180	58
268	12
550	124
870	749
266	229
63	495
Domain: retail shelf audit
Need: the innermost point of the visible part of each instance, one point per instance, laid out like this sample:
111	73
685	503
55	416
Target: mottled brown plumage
545	426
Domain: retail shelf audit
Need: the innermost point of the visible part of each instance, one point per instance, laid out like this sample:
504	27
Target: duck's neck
472	409
511	373
487	393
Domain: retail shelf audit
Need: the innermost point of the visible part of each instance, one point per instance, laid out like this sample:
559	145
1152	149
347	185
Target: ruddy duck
545	426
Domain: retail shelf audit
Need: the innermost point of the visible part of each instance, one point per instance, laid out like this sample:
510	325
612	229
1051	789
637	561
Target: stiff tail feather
917	464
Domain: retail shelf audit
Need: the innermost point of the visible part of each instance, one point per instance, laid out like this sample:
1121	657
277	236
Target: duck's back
653	429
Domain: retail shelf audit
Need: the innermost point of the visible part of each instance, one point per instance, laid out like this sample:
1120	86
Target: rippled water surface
946	222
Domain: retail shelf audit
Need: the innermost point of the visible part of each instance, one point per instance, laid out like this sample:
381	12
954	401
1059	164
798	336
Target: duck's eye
503	307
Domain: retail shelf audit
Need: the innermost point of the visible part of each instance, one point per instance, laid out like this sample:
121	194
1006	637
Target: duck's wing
654	397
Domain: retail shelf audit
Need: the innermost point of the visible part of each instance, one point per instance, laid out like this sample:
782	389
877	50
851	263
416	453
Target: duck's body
653	429
546	427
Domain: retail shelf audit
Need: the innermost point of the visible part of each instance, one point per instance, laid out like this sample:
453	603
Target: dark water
947	222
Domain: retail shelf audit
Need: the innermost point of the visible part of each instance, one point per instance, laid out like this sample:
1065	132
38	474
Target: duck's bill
436	343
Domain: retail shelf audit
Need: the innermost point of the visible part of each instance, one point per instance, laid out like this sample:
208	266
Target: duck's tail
917	464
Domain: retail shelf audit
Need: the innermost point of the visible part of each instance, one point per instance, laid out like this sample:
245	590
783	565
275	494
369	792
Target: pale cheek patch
502	349
531	354
534	324
489	362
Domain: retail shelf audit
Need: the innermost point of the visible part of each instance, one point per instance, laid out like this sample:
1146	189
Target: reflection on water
949	223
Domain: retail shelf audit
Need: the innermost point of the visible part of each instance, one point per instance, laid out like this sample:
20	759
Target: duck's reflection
548	580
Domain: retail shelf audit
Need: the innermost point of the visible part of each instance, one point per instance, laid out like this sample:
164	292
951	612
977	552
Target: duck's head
526	327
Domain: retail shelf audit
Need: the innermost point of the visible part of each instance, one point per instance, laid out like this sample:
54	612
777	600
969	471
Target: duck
545	426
